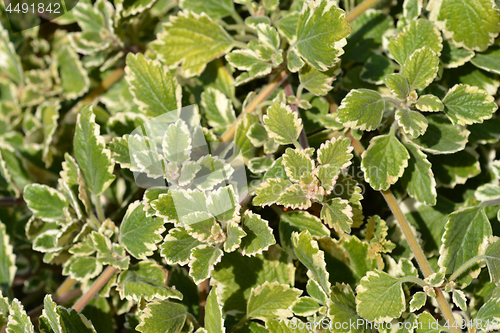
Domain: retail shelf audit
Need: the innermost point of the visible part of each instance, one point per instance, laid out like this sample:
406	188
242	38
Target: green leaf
299	221
487	192
455	169
7	259
307	251
489	60
282	124
384	161
19	322
250	60
271	300
294	197
413	122
155	89
46	202
414	36
223	204
459	299
398	84
259	235
162	317
294	61
140	233
234	236
193	40
317	82
442	137
321	33
342	307
380	297
489	313
270	191
283	326
92	156
74	79
51	315
238	274
429	103
11	63
213	8
214	323
145	279
177	246
492	254
336	152
473	25
201	225
421	68
376	234
412	9
361	109
49	114
176	142
417	301
218	109
13	170
465	105
165	207
368	30
297	162
202	261
418	179
305	306
466	236
338	214
126	8
82	268
376	68
453	56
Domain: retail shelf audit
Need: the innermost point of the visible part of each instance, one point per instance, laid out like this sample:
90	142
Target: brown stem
65	286
289	92
413	243
360	9
203	292
94	289
261	97
111	79
11	202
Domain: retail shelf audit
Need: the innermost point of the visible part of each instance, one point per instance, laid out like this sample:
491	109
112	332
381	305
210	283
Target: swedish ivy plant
250	166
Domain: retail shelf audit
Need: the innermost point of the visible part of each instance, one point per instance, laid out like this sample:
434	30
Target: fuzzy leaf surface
384	161
92	156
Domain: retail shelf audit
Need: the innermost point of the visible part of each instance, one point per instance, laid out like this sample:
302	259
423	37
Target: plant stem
203	292
466	266
420	256
289	92
412	241
111	79
65	286
95	288
99	209
360	9
405	227
239	27
415	280
262	96
192	319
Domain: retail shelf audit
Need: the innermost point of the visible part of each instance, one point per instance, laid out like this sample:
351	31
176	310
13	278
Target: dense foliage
250	166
